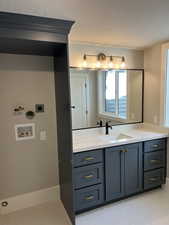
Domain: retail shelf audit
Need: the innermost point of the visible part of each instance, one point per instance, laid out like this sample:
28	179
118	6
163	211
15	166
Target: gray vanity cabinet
133	161
155	163
123	171
114	173
88	176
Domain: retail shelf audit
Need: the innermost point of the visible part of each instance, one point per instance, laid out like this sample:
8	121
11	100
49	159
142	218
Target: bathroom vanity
101	168
110	168
117	160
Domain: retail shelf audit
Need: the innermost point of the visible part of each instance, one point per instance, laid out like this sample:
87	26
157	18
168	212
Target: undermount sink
104	139
117	137
123	136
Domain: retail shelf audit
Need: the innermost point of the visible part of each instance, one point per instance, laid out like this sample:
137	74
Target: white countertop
96	139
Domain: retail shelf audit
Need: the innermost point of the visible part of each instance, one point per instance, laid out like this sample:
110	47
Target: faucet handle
107	124
100	123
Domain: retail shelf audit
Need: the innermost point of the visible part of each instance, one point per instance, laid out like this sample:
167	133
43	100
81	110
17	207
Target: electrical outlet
39	108
43	135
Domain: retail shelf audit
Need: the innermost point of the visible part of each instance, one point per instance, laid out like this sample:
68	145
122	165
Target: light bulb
85	60
117	66
123	64
105	66
111	64
84	63
98	64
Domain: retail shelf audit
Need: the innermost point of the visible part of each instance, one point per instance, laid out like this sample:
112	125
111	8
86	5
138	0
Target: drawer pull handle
123	151
155	161
89	176
89	198
155	146
89	158
153	179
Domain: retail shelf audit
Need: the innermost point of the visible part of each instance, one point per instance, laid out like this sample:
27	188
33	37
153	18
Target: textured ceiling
125	23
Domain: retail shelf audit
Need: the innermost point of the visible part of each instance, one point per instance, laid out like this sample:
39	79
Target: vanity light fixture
111	64
123	64
84	60
105	62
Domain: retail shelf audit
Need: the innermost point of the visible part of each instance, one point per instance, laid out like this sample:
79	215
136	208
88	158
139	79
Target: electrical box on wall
39	108
18	110
24	131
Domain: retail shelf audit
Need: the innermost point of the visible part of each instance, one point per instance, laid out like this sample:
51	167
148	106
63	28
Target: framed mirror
111	95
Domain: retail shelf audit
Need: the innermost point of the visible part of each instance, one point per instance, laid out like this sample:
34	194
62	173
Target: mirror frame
142	119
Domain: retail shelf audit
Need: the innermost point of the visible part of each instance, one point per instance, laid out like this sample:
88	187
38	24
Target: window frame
102	98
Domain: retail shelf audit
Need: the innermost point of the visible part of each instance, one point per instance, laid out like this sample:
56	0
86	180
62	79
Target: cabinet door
133	168
114	173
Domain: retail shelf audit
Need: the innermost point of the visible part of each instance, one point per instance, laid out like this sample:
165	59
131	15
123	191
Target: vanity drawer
153	160
154	178
154	145
87	158
88	197
88	175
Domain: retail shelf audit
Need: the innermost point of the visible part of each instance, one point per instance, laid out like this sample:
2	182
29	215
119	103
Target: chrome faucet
107	127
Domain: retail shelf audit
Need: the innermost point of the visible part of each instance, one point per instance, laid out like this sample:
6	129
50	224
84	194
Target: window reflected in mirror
114	95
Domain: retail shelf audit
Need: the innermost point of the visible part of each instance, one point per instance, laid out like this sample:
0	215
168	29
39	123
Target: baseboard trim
30	199
35	198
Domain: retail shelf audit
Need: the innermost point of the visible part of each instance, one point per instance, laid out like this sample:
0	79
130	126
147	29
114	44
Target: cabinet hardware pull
155	146
89	158
153	179
155	161
123	151
89	198
89	176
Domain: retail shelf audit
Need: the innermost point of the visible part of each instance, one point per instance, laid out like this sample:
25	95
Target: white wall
134	58
152	84
92	98
29	165
135	95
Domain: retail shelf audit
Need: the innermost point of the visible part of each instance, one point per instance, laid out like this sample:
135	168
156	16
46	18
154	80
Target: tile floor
146	209
51	213
151	208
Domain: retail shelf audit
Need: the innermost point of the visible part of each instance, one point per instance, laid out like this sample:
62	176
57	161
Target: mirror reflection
100	96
